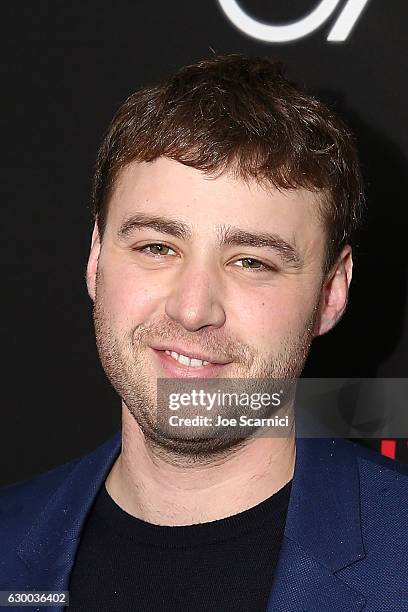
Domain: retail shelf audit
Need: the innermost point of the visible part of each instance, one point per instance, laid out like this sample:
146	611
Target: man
225	203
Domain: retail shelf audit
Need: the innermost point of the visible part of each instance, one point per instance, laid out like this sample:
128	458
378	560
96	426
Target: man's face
214	269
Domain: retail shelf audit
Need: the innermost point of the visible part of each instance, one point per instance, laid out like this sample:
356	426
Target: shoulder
381	572
20	501
383	486
375	464
354	471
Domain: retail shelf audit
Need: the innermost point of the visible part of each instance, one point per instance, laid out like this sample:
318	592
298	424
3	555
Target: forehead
169	188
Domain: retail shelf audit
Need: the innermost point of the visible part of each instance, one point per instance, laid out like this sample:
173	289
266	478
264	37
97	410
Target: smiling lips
189	357
187	363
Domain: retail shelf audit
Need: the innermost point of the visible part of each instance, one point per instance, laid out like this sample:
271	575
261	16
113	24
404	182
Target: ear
335	292
92	265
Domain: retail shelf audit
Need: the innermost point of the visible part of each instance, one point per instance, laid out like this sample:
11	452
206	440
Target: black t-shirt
124	563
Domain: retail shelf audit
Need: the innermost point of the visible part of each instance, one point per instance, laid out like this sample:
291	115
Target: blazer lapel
48	549
322	533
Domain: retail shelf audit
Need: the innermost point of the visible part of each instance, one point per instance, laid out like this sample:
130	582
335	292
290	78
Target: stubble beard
122	356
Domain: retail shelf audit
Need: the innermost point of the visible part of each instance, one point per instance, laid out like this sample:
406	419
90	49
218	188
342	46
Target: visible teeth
186	360
197	362
180	358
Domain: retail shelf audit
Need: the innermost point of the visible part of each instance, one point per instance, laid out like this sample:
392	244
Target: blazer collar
57	528
324	508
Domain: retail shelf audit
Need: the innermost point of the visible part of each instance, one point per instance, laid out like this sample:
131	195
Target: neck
157	491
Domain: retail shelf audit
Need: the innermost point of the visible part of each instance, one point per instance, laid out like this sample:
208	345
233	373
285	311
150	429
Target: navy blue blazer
345	545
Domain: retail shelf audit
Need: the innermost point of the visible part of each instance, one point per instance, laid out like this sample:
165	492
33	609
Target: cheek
127	295
271	313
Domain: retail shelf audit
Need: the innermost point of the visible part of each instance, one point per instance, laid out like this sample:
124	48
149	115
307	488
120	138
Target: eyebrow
164	225
227	235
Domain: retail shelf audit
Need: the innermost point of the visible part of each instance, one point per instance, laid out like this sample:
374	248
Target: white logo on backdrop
298	29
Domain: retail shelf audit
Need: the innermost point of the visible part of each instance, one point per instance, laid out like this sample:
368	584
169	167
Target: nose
196	299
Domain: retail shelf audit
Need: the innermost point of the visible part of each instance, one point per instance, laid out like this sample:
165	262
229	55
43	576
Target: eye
253	264
155	249
158	249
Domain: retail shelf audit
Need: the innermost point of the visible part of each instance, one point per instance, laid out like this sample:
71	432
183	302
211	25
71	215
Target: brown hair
238	113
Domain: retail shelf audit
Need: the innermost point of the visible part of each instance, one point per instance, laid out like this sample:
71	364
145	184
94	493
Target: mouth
191	364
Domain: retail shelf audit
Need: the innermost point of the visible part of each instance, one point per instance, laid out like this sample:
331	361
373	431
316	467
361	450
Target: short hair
240	114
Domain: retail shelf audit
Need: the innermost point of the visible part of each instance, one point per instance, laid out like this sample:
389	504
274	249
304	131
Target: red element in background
389	448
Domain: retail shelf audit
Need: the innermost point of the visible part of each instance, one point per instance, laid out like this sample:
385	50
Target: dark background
66	67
